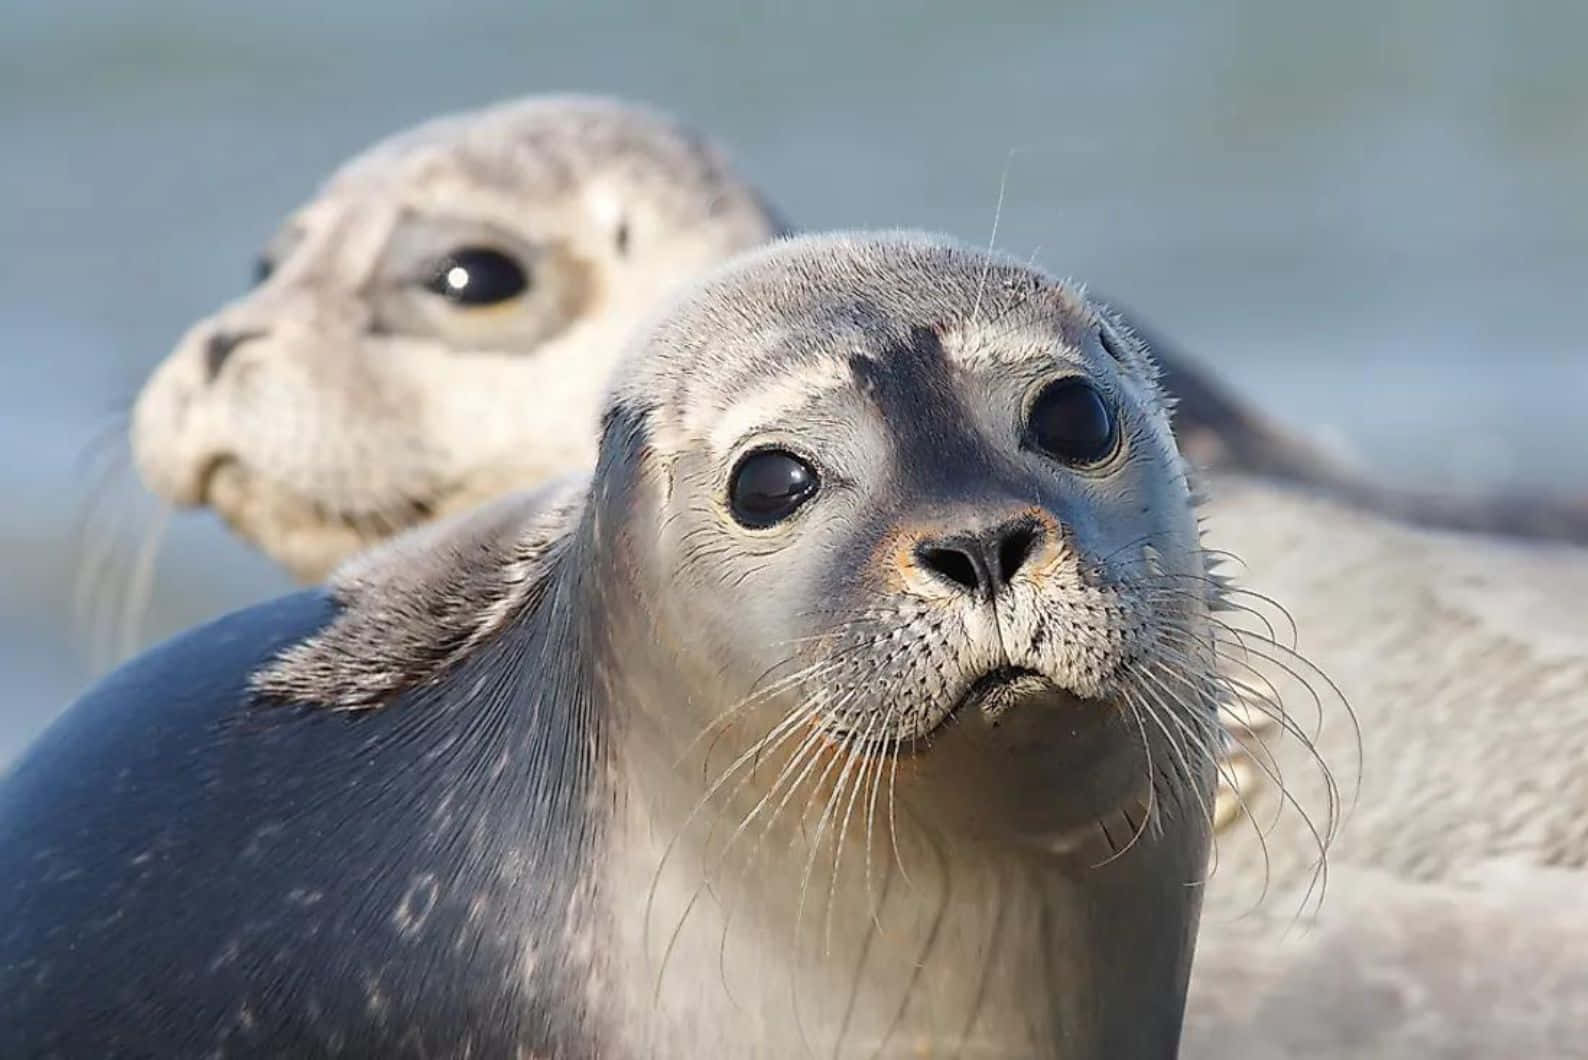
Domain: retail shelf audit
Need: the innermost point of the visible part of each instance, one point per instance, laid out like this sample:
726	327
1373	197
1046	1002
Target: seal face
433	328
861	703
943	506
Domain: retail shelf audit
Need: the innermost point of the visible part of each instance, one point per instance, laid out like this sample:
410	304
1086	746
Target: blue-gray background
1369	216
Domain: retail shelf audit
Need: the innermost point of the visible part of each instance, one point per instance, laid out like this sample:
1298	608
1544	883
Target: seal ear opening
1129	346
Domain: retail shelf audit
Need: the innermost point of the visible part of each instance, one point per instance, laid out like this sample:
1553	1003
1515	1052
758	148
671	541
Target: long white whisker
140	584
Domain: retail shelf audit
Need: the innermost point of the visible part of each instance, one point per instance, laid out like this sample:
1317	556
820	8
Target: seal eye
263	267
476	276
768	485
1071	422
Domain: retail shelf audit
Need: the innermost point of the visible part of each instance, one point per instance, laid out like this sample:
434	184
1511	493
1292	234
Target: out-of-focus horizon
1366	217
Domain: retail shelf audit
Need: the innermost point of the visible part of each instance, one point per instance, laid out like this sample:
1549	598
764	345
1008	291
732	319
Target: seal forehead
550	147
893	315
910	384
907	371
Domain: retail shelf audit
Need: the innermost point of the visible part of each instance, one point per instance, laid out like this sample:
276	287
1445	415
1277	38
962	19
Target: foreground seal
434	328
861	703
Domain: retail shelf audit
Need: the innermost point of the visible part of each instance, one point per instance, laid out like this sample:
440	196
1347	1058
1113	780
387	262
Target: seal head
367	383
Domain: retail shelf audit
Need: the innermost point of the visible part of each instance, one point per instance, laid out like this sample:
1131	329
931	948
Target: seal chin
306	536
1020	757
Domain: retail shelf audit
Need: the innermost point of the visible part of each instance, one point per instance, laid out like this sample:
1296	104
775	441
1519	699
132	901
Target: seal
860	703
434	327
1399	969
1220	432
1462	658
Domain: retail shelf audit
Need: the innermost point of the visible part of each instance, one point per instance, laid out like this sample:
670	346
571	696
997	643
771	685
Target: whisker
1146	749
857	753
1200	740
140	583
893	824
992	240
1321	839
775	737
689	906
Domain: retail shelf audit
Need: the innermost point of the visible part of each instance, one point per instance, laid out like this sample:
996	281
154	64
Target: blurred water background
1368	216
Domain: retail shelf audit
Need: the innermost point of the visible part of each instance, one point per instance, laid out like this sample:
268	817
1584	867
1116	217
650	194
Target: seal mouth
992	695
233	489
997	691
203	491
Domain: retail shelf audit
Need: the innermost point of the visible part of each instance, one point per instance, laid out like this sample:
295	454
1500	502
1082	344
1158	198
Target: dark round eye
1071	422
768	485
477	276
263	267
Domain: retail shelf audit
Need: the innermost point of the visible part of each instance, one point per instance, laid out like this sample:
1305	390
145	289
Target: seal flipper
187	867
418	604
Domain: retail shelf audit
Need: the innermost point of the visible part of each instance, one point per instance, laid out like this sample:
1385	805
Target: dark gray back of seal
185	870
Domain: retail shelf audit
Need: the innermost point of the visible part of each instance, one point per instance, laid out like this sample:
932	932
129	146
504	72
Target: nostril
220	346
1013	552
982	562
953	564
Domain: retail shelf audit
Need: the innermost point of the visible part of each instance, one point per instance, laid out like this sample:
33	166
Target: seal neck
869	938
787	902
815	911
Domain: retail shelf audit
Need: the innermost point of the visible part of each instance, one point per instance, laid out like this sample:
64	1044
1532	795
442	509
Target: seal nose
221	345
981	562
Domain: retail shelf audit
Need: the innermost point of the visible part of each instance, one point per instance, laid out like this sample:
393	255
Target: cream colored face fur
345	399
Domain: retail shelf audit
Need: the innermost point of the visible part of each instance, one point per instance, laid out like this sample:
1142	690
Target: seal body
189	875
861	703
1399	969
1462	659
1428	929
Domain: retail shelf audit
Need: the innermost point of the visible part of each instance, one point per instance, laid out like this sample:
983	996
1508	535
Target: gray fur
1396	970
547	147
1466	667
1465	663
